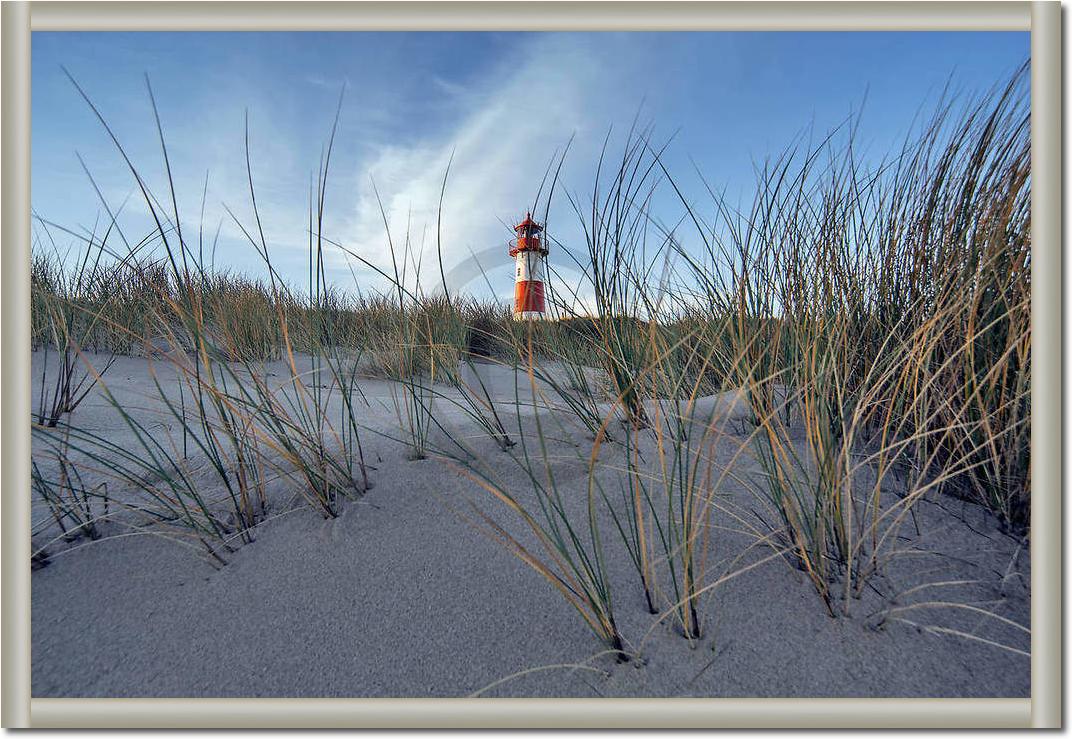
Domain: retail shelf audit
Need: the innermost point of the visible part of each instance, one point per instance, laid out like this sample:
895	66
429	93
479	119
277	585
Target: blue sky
500	103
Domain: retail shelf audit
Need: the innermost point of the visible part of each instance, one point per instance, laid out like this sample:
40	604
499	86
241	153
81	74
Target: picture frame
1042	710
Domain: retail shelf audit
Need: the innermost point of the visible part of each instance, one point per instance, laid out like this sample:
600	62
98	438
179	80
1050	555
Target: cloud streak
497	154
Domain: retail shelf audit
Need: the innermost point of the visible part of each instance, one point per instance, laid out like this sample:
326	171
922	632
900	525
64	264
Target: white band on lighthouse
529	267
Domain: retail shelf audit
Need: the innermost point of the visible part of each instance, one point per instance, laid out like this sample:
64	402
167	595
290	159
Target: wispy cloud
448	87
497	155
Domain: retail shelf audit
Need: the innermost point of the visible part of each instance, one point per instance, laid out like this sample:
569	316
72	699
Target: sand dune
401	595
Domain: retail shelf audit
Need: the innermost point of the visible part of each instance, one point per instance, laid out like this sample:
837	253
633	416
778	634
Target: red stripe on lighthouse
528	296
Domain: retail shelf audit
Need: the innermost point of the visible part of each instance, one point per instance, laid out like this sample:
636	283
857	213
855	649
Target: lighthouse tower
530	257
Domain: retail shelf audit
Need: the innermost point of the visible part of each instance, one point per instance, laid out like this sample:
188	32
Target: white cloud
502	128
500	150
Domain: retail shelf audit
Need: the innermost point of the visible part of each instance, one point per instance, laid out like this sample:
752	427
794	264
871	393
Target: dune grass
876	316
873	314
896	333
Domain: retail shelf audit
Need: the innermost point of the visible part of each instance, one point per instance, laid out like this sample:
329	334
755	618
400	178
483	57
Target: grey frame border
1042	710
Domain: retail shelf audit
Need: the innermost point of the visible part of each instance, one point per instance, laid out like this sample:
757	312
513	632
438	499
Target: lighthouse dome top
528	238
528	225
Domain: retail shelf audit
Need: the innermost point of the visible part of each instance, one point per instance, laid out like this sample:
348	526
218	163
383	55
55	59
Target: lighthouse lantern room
530	268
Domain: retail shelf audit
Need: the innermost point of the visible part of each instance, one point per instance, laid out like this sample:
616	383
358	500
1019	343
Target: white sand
400	596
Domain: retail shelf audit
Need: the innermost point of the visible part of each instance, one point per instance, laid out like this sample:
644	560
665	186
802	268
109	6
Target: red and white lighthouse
530	257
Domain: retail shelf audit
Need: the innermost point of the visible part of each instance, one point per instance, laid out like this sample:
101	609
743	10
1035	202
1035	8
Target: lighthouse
530	267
